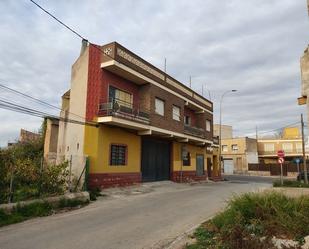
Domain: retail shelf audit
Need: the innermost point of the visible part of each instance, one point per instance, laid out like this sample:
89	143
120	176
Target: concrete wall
51	140
226	131
71	136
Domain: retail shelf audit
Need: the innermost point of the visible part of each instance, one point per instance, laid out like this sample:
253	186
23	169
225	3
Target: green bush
23	161
291	184
254	215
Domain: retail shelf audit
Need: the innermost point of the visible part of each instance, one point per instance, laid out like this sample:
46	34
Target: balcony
125	110
194	131
274	153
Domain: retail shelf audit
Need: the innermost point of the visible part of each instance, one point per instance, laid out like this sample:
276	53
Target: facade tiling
130	136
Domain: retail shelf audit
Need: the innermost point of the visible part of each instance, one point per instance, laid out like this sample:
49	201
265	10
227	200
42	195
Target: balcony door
120	97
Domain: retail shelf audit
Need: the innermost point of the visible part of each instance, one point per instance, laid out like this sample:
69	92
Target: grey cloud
253	46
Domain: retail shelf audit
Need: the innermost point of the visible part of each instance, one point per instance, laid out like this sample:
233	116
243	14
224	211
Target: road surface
151	216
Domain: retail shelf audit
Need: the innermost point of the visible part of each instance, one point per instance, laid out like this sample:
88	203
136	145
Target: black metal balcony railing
195	131
123	109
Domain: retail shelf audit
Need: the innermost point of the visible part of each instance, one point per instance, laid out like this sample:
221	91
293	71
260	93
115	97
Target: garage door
155	159
228	166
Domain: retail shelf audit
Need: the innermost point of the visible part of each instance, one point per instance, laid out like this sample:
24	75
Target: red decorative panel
107	180
94	82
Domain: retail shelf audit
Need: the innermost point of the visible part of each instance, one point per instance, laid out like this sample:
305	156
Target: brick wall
166	121
110	79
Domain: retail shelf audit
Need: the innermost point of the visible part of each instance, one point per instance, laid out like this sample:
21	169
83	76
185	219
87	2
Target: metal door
199	165
155	159
228	165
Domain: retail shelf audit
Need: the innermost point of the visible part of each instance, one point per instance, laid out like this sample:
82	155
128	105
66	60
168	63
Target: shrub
251	216
291	184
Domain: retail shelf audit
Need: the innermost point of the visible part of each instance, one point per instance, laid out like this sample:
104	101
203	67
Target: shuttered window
118	154
176	113
159	106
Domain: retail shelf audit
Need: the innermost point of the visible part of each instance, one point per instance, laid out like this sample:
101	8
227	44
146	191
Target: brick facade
107	180
166	122
187	176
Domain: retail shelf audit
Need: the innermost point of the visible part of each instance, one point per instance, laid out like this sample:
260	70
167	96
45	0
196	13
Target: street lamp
229	91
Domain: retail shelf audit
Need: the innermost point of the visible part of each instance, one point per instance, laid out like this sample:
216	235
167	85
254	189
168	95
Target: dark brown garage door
155	159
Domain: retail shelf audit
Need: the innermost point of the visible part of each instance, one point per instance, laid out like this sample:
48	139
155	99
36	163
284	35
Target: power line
298	122
33	112
62	23
37	100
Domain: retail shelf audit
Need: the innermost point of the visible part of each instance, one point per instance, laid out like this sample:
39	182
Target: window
176	113
208	125
118	154
287	147
234	147
224	148
269	147
121	97
187	120
299	147
159	106
186	161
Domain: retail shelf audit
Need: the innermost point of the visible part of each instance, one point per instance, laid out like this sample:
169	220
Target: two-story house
290	142
142	124
237	153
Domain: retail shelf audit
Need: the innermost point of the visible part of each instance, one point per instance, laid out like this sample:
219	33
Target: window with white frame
299	147
234	147
208	125
159	106
287	147
225	148
176	113
269	147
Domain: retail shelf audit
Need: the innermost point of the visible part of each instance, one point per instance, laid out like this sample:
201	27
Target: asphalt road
151	216
252	179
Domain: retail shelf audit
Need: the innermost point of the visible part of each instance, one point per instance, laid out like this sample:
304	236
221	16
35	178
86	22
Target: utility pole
304	151
164	65
190	81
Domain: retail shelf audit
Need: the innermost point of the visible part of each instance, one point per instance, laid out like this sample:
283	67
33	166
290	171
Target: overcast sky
253	46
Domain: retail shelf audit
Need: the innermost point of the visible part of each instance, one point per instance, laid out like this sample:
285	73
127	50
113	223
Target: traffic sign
280	153
281	160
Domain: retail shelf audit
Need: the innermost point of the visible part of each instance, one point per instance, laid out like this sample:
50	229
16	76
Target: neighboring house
290	141
226	131
237	153
28	136
51	139
141	124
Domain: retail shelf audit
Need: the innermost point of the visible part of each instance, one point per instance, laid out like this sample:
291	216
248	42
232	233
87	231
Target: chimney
84	46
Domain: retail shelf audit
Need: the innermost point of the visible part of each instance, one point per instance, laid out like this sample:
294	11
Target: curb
81	196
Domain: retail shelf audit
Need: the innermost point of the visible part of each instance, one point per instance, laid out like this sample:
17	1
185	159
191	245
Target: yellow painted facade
193	150
97	147
291	133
